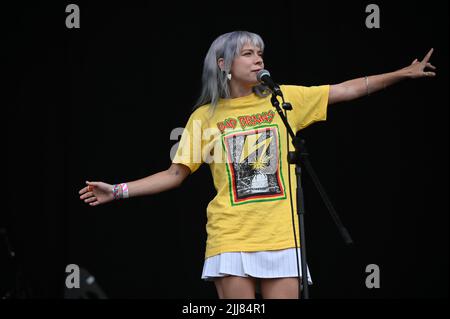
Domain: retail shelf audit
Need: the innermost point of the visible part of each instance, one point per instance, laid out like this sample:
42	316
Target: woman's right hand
96	193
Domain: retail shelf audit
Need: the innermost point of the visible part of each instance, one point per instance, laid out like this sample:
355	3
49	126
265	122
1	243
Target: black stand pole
299	157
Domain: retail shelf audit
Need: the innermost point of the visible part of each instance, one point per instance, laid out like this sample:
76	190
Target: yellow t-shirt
244	143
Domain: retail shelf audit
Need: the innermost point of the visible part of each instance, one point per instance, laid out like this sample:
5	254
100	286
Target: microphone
263	76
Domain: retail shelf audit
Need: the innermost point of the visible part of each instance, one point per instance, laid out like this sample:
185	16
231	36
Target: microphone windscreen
262	73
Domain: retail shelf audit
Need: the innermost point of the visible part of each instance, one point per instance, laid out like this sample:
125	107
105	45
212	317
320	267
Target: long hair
214	81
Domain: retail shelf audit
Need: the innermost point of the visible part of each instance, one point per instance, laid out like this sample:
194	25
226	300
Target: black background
99	103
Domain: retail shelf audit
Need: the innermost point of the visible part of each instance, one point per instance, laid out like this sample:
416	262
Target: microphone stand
299	157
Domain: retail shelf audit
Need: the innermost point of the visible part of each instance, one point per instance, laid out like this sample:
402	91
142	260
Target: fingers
415	61
427	57
87	195
91	185
83	190
90	199
88	188
429	65
431	74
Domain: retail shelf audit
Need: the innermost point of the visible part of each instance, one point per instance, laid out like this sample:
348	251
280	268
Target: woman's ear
221	63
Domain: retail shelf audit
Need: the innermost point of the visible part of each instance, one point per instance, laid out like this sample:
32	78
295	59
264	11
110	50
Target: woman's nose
259	61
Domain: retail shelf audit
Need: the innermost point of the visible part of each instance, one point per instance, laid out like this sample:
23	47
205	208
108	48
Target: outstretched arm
353	89
97	193
159	182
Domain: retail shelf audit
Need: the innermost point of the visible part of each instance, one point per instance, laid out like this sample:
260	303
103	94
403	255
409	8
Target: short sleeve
309	104
190	147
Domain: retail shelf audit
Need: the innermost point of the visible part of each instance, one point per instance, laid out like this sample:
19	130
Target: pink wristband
124	187
120	191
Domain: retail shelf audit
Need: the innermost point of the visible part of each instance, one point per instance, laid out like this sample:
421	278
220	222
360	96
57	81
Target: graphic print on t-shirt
253	165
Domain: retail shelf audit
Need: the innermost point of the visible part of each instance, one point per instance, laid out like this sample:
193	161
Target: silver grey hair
214	81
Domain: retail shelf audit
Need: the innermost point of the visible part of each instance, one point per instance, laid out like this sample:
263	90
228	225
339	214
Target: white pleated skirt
260	264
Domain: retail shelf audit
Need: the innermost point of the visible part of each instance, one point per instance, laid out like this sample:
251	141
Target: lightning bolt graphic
251	146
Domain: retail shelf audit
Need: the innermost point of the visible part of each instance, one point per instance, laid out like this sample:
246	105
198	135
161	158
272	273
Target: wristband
120	191
124	187
116	191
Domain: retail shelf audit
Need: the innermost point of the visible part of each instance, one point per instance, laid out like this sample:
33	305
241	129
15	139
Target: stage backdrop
99	103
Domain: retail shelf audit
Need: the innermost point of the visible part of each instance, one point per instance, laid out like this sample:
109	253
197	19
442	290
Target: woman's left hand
417	69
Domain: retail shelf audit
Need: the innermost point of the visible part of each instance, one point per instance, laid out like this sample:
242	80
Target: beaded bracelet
120	191
116	191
